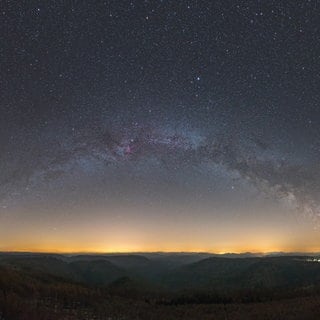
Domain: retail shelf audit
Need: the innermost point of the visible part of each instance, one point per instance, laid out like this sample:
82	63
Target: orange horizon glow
69	250
130	231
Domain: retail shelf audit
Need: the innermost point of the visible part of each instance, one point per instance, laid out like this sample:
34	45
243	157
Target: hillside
27	294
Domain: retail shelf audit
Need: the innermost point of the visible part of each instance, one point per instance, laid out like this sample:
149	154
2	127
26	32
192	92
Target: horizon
160	252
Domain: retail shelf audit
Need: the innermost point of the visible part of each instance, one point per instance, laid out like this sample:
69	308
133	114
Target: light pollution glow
138	233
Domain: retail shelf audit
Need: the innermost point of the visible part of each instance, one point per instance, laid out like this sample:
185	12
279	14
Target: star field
127	120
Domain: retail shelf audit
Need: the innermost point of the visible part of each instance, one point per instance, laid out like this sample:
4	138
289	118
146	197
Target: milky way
166	113
96	154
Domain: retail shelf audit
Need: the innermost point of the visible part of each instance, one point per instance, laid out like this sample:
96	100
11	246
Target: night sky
160	125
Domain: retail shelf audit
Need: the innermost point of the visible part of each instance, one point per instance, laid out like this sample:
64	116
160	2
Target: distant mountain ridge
173	271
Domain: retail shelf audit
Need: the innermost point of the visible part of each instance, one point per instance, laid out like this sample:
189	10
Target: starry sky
160	125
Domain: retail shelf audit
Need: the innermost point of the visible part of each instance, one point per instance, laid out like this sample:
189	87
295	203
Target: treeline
25	295
30	296
238	296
